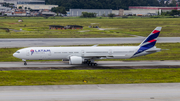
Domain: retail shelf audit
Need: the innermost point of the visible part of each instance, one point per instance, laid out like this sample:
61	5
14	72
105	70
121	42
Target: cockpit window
18	52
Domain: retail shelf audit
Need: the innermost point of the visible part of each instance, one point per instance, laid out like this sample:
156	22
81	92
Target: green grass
69	77
6	54
171	54
37	27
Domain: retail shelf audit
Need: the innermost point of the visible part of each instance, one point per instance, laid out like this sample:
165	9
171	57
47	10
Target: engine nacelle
75	60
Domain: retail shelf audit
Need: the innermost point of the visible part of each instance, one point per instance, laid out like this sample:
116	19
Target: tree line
108	4
102	4
171	13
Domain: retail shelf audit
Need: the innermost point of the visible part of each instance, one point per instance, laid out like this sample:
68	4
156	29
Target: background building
33	4
74	27
144	10
56	27
27	8
15	2
119	12
4	9
36	7
99	12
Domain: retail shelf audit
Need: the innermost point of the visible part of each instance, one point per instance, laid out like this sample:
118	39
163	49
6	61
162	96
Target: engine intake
75	60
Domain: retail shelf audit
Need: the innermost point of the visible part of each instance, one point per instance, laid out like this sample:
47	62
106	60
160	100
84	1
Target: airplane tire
92	64
95	64
25	64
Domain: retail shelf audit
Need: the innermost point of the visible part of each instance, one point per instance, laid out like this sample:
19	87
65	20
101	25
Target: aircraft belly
122	56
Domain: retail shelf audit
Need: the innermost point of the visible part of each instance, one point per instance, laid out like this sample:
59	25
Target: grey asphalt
111	92
32	42
101	65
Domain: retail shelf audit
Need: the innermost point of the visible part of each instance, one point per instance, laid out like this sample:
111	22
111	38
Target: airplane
87	55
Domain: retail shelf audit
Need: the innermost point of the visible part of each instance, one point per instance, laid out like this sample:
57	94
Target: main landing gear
90	63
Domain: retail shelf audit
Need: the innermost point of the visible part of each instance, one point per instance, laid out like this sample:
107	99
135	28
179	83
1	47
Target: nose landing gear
24	62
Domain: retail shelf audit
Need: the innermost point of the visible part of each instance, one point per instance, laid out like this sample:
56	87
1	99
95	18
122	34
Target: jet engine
75	60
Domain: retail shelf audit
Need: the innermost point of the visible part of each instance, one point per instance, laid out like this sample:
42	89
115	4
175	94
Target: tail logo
150	41
152	37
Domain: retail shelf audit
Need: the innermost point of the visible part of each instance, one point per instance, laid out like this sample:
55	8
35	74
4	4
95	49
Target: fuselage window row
97	52
64	52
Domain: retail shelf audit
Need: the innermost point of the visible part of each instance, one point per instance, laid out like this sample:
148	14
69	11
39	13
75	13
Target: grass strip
39	27
72	77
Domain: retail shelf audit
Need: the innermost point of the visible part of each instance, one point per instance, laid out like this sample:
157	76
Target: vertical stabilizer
150	41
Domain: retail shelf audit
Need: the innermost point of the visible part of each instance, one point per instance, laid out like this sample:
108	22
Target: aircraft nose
15	55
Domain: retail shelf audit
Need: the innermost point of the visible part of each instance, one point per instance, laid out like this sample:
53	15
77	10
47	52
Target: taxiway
101	65
112	92
33	42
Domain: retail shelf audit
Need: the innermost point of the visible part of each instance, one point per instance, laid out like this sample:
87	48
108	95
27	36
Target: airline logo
40	51
152	37
32	51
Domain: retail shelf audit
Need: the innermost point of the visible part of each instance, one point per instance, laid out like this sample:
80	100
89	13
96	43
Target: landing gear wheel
25	63
92	64
95	64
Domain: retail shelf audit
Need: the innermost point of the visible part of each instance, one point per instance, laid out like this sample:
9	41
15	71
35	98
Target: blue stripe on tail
145	47
151	37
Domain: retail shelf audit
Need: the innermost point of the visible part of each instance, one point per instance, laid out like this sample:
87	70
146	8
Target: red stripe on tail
151	41
155	31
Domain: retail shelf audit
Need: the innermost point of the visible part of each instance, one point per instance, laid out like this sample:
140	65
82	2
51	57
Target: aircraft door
110	52
82	52
49	55
27	53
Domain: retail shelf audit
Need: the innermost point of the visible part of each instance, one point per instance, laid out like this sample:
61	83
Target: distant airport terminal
39	5
16	2
33	4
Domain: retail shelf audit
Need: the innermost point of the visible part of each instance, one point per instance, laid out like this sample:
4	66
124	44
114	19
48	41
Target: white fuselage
53	53
79	55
